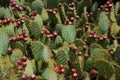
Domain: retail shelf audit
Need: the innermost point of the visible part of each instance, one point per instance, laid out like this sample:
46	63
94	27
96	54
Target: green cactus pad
52	3
94	7
105	55
44	15
58	28
118	19
46	54
117	71
88	64
94	46
61	57
4	41
117	7
37	50
7	13
29	68
95	53
49	74
34	29
2	10
114	29
58	42
117	54
9	30
104	68
104	25
38	19
38	6
79	42
15	56
69	33
102	15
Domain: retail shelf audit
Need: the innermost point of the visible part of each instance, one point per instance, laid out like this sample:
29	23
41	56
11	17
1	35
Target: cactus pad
69	33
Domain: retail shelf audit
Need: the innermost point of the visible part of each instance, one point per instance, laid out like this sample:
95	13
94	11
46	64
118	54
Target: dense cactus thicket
59	40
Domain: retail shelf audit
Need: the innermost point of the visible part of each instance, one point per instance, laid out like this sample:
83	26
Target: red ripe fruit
24	7
88	15
33	76
10	49
47	32
19	22
21	36
25	39
61	66
62	70
13	3
95	35
57	69
75	75
1	25
50	10
42	32
14	38
24	58
19	62
9	20
25	77
10	39
51	36
32	17
72	18
105	36
85	47
100	38
87	56
22	20
71	9
73	70
35	12
16	6
69	22
20	67
77	17
91	14
17	38
5	21
20	8
72	4
79	53
55	33
25	35
92	33
73	48
60	4
54	12
99	9
16	25
24	64
69	5
106	13
87	23
23	32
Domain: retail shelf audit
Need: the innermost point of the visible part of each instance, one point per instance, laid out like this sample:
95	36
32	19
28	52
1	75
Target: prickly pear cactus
2	10
69	33
15	56
104	70
37	5
4	41
59	40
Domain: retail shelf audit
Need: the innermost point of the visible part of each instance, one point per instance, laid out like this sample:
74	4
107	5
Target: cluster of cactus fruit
59	40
